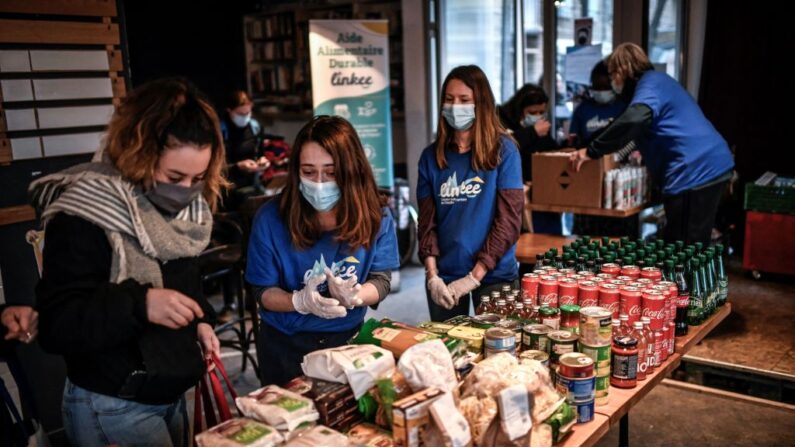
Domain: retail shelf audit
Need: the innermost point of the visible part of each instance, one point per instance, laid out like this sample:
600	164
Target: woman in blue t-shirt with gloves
680	147
310	247
470	198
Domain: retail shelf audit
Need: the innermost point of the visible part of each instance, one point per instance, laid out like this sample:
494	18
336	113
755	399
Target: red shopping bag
211	406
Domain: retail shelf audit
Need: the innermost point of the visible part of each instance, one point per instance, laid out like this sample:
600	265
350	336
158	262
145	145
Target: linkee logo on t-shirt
338	268
595	123
451	191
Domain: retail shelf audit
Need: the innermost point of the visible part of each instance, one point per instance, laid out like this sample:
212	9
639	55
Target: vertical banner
350	78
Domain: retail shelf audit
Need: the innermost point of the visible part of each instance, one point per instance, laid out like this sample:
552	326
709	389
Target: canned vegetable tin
535	337
575	365
570	318
498	338
533	354
595	326
600	355
561	342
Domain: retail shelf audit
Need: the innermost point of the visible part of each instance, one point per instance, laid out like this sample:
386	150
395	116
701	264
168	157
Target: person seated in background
120	296
242	139
277	151
321	252
525	114
597	110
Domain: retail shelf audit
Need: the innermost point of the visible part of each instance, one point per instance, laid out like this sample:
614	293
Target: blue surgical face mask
603	96
459	116
241	120
322	196
530	120
616	88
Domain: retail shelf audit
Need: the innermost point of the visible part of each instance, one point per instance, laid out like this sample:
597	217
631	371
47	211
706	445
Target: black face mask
173	198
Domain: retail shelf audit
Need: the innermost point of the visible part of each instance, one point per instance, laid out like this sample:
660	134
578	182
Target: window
665	36
533	18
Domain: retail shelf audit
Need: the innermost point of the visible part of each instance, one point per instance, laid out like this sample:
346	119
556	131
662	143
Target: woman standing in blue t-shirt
310	247
470	198
680	147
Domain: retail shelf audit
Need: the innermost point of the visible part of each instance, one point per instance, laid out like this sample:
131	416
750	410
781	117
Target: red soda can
609	298
644	281
540	272
585	273
548	291
625	278
567	271
630	303
530	288
633	271
658	347
673	292
604	276
671	337
567	291
589	294
557	274
618	282
574	276
654	308
548	268
596	279
666	292
664	348
611	269
652	273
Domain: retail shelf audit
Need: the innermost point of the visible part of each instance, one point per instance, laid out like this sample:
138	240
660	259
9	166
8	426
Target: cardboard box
556	183
411	415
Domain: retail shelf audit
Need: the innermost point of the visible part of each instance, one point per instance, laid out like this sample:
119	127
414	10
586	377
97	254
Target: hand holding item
263	163
247	165
577	158
542	127
344	290
22	323
440	293
309	301
170	308
463	286
208	340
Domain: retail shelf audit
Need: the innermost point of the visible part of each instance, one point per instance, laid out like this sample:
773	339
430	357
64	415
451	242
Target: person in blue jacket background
596	111
321	252
683	152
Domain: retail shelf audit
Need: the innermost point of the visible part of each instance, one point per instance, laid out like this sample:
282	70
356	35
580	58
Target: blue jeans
93	419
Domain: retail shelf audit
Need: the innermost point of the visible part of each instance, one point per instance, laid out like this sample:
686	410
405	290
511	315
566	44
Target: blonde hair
629	61
487	128
155	115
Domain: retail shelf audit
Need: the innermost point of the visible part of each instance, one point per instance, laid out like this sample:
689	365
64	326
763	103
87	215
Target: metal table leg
623	431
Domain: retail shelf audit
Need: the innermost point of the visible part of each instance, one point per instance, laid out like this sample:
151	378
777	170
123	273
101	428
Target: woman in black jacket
120	296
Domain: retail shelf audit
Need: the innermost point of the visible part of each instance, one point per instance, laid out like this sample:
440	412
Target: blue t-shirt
273	261
684	149
466	201
590	117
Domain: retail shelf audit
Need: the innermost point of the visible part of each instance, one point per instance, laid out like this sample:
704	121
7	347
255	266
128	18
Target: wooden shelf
530	244
16	214
588	434
697	333
587	211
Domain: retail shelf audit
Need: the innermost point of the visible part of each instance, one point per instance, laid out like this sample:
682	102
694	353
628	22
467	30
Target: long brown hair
629	60
486	130
358	211
158	113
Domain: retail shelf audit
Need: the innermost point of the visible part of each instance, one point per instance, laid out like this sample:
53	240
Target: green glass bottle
723	278
706	289
679	245
605	241
699	247
694	309
668	270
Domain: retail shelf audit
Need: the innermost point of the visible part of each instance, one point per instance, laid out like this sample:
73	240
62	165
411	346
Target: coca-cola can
611	269
540	272
604	275
670	312
671	337
610	298
658	348
644	281
548	291
654	308
633	271
548	268
596	279
665	341
567	271
574	276
557	275
625	278
673	291
630	303
585	273
530	288
588	294
567	292
618	282
652	273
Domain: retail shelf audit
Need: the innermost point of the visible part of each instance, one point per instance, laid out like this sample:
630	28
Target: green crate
771	194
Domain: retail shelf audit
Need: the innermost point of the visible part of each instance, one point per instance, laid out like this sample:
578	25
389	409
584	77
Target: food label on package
452	423
289	404
515	410
385	333
361	356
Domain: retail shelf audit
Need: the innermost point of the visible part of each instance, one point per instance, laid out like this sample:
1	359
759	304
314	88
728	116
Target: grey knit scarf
138	233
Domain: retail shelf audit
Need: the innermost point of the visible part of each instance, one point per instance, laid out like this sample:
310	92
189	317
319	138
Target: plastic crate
771	194
769	243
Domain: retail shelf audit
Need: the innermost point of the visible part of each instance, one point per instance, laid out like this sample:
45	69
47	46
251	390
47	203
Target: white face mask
459	116
603	96
616	88
241	120
530	120
322	196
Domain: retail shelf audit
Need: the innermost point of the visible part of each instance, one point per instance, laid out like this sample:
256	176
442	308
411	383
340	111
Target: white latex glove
309	301
462	286
344	290
440	294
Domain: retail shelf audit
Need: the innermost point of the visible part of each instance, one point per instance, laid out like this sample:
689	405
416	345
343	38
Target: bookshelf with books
277	52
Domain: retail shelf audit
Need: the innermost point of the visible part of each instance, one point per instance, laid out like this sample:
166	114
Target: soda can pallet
622	400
